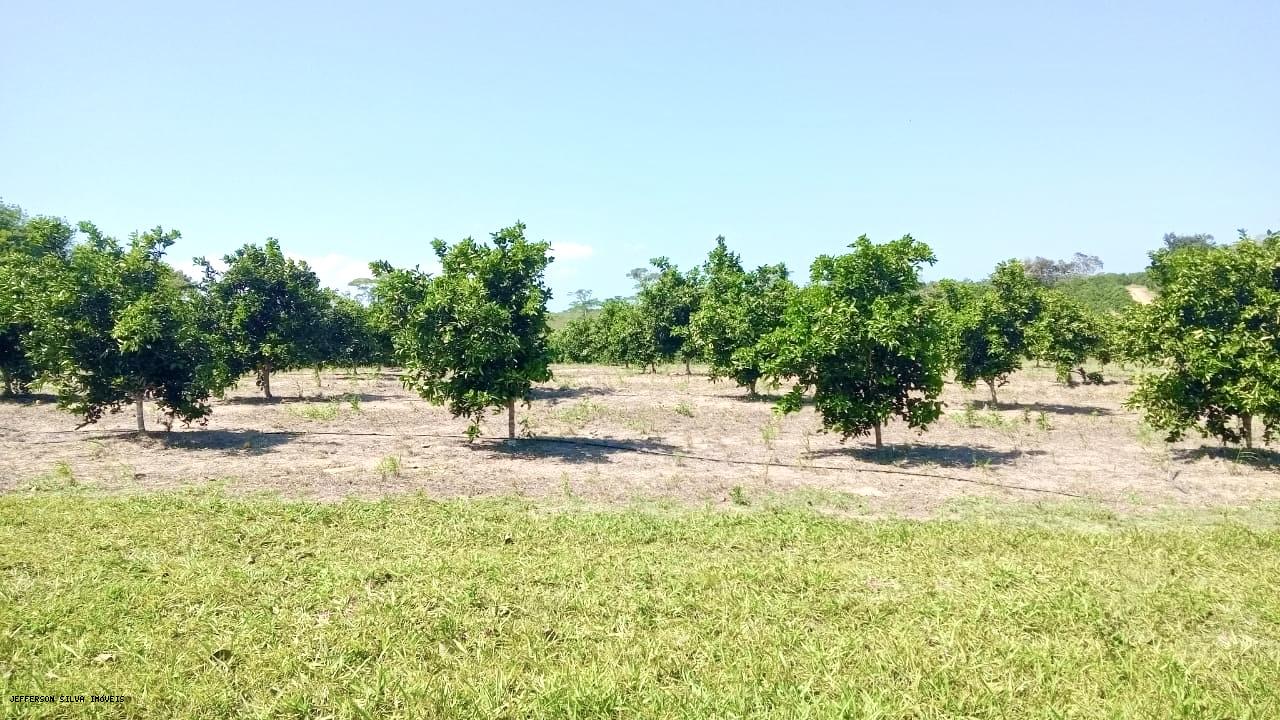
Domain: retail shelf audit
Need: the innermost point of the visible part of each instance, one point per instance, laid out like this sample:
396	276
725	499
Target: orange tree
737	309
269	309
115	325
1212	337
26	245
476	336
987	326
862	337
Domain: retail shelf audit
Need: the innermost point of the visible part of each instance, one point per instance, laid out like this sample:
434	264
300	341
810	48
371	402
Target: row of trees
871	342
108	323
717	313
722	314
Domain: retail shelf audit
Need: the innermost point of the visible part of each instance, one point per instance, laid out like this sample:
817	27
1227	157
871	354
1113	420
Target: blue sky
623	131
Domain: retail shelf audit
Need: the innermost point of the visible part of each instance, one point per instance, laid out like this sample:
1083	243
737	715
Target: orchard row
110	324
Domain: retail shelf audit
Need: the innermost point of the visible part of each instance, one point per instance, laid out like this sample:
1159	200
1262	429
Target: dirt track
642	438
1141	294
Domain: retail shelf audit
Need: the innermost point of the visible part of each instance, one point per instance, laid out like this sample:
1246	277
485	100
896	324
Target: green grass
315	411
197	605
581	414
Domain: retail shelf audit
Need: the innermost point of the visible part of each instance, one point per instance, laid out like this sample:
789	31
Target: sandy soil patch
1141	294
613	436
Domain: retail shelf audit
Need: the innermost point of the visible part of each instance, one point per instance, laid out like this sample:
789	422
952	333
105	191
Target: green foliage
666	302
624	335
986	326
737	309
351	337
1102	293
269	309
1065	335
25	244
862	336
1174	241
477	338
1212	335
1050	272
580	340
115	324
394	294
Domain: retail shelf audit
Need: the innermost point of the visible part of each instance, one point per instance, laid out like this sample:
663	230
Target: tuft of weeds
318	412
1042	422
738	496
770	430
60	477
1148	435
641	423
389	466
684	408
353	401
580	414
991	418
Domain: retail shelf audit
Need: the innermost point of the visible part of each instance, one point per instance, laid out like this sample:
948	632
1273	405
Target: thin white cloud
335	270
565	251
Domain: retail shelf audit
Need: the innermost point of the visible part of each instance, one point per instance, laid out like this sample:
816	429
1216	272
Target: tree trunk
5	389
879	441
1246	425
511	418
142	418
991	383
653	368
751	391
264	376
687	371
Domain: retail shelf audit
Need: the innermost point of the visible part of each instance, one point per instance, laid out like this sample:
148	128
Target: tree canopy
1213	338
738	309
270	311
666	303
477	337
862	337
1064	335
1174	241
29	249
115	324
1049	272
987	326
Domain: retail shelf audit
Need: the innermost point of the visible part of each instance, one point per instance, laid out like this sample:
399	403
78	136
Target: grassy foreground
197	605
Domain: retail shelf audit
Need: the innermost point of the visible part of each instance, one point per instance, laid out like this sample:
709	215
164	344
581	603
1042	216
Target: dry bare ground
1141	294
610	436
